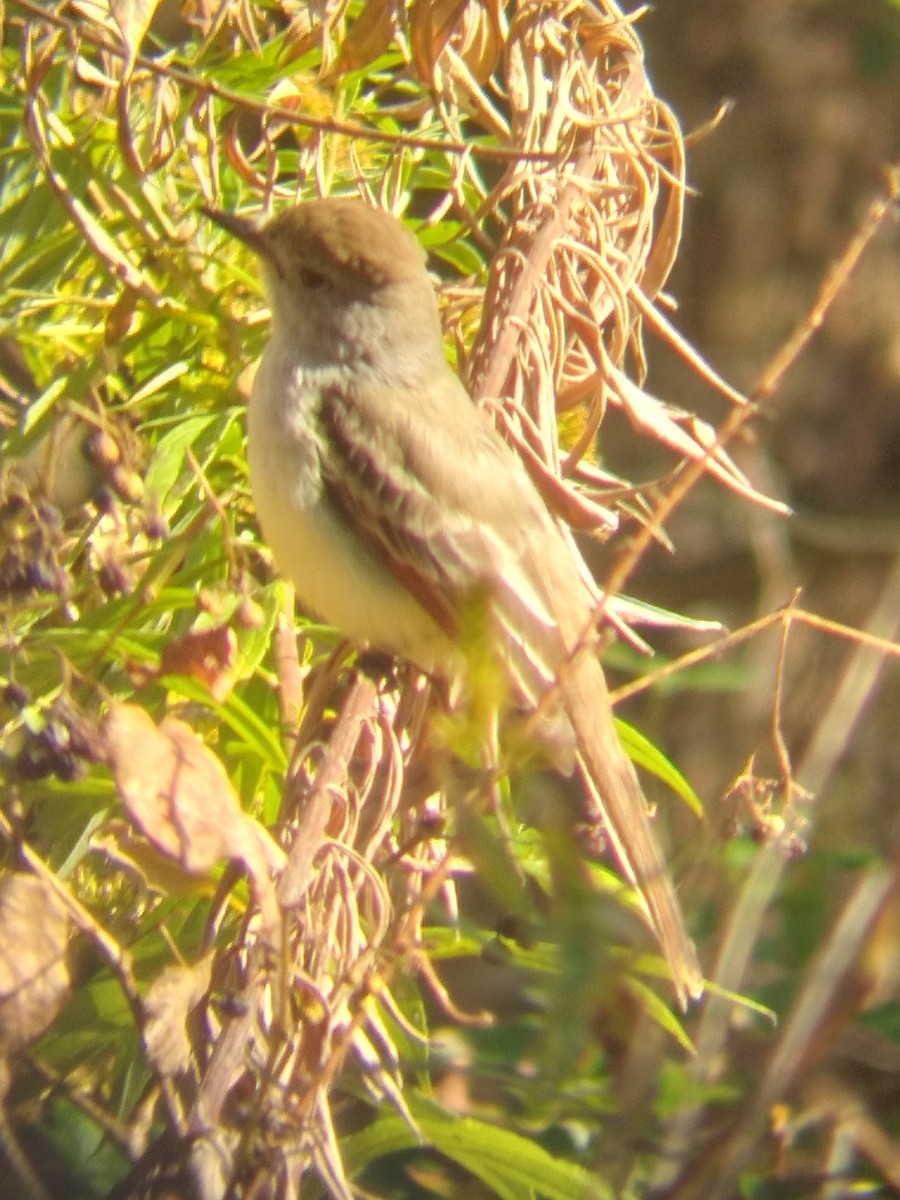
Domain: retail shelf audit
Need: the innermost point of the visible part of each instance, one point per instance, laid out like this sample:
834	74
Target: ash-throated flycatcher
393	505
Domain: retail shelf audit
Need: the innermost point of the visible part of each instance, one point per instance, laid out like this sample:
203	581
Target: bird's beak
241	228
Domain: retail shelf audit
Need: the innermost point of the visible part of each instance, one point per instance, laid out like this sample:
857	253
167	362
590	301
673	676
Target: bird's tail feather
613	786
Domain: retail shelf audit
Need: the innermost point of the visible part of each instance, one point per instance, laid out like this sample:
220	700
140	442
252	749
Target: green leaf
651	1003
92	1159
254	732
644	754
253	644
168	457
513	1167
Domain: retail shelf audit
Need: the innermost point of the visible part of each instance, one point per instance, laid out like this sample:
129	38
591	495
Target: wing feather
419	500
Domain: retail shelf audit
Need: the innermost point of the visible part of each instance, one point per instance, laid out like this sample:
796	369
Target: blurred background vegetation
133	582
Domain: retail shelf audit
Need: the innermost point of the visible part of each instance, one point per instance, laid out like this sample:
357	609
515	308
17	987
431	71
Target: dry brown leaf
484	40
369	36
687	435
173	789
664	247
147	145
132	17
34	976
170	999
207	655
179	796
431	25
475	31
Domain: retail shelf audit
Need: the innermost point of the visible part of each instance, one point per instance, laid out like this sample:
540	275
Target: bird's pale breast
335	575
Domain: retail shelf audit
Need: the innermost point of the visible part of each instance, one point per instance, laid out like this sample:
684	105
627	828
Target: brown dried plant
568	174
558	165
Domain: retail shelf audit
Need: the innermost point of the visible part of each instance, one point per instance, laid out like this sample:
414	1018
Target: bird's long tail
613	786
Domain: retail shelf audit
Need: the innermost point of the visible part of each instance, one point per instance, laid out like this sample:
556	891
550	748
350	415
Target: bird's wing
432	489
438	495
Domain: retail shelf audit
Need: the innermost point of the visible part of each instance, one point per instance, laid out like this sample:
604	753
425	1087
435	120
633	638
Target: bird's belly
335	575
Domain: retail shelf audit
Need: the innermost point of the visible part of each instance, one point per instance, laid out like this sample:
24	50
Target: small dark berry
157	526
113	579
50	516
34	762
105	500
15	695
67	768
42	575
54	737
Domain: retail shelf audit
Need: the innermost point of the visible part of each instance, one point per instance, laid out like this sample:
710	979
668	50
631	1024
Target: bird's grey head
346	282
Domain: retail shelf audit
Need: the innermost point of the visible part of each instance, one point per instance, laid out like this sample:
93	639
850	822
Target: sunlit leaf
644	754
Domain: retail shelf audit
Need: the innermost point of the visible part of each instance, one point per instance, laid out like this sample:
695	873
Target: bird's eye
312	278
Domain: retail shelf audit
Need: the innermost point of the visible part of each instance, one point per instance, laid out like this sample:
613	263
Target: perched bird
395	508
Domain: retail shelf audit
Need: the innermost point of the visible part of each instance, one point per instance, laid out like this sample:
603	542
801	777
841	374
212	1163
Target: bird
397	510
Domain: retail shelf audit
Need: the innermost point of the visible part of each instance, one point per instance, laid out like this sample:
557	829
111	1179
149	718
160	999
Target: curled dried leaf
470	32
170	1000
34	976
178	794
204	654
368	37
686	435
